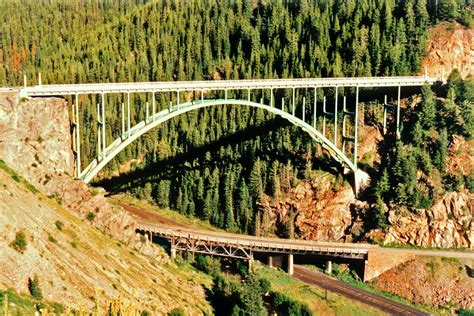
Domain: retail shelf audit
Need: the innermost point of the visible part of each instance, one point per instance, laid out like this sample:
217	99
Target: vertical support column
103	126
248	95
99	128
202	96
78	138
128	114
283	104
39	79
290	264
293	111
314	108
356	126
153	105
335	116
146	112
225	94
24	81
123	119
328	267
398	112
385	115
271	97
177	98
270	261
173	249
324	115
344	115
304	108
250	261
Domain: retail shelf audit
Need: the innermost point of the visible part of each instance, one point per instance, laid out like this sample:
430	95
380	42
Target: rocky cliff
320	208
450	46
35	140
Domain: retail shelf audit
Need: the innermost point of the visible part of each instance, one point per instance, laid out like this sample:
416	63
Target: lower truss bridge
246	247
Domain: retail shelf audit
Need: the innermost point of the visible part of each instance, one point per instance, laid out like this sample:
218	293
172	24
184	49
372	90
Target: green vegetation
266	290
423	147
19	243
16	177
12	303
90	216
217	163
59	225
51	238
34	288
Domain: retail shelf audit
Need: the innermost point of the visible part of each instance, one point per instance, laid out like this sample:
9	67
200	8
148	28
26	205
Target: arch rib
153	121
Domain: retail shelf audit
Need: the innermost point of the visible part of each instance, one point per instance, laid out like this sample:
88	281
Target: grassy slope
313	296
79	264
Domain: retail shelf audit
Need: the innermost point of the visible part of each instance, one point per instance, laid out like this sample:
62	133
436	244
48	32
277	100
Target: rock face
448	223
35	137
319	212
432	281
35	140
450	46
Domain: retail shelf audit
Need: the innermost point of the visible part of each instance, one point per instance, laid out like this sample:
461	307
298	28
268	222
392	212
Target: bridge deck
278	245
134	87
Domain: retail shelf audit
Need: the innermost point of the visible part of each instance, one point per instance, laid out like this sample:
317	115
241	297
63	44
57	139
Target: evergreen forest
218	162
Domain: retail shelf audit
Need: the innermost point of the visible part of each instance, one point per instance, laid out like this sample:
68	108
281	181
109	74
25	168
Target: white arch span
153	121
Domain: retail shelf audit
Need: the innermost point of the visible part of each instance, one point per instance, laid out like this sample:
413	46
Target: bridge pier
328	267
290	268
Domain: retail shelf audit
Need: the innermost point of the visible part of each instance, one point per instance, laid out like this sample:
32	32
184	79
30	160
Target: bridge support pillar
290	264
270	261
328	267
173	252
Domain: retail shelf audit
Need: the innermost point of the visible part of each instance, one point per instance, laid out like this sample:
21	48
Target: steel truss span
319	133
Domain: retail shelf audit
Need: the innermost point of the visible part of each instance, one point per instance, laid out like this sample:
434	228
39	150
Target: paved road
333	285
133	87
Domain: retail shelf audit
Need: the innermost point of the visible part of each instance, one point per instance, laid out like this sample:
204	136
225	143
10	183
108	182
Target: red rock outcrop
320	212
450	46
448	223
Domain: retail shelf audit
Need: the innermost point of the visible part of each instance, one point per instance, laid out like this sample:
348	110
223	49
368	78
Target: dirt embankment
438	282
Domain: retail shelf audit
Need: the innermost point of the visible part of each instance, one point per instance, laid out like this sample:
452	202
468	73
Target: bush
59	225
90	216
208	265
288	306
34	288
20	243
466	312
177	312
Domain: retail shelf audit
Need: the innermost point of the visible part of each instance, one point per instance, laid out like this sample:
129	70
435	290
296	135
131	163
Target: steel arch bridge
318	133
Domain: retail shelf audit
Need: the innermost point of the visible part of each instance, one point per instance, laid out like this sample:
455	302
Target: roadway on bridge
153	219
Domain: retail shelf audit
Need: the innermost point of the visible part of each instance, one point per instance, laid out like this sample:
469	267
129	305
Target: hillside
79	266
450	46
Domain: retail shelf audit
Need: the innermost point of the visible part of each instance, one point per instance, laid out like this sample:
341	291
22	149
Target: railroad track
387	305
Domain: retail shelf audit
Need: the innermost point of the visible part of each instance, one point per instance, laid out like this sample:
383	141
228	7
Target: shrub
34	288
59	225
20	243
52	239
90	216
177	312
